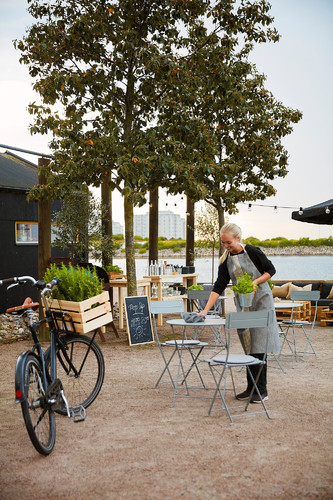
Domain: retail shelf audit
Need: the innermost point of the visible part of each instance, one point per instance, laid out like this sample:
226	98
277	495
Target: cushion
326	290
281	291
292	288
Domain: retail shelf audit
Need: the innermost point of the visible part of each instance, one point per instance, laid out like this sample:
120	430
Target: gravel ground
133	444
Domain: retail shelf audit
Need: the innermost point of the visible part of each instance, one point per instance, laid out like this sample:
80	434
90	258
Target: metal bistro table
190	345
291	306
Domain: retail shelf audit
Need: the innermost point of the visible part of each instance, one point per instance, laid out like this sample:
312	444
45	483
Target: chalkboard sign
138	320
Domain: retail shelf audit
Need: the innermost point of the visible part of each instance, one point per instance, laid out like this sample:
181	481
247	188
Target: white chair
220	365
305	326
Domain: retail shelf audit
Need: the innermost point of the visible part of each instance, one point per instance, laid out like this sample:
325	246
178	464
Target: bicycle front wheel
80	367
40	422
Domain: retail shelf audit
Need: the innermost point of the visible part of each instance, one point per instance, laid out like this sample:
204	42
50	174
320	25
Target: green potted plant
80	294
195	287
114	272
245	289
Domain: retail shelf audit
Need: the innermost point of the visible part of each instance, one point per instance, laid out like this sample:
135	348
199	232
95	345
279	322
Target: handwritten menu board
139	327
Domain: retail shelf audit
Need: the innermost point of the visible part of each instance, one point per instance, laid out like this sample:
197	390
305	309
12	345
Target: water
288	267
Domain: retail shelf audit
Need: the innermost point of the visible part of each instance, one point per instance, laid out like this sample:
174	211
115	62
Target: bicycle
78	359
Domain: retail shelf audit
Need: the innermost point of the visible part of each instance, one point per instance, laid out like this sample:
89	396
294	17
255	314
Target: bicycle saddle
27	304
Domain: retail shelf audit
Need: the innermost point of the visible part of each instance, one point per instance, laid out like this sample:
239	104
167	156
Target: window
26	233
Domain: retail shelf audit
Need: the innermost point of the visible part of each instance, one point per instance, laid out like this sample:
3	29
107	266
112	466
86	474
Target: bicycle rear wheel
40	422
81	385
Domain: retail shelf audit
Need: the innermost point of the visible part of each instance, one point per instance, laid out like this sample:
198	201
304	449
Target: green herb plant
76	284
112	269
244	285
195	287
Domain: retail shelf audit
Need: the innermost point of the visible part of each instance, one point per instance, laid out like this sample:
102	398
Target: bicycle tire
84	388
40	422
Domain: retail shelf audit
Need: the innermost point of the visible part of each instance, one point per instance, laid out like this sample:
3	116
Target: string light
275	209
250	207
300	211
327	211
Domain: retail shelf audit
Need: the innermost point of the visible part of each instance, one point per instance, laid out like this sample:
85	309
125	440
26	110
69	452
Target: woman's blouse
259	259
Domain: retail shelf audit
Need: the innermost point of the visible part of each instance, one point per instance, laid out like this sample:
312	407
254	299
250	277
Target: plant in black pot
245	288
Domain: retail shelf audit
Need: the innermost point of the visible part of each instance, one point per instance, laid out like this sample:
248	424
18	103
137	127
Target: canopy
317	214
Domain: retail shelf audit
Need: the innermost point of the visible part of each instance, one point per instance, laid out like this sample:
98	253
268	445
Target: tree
126	89
78	227
208	229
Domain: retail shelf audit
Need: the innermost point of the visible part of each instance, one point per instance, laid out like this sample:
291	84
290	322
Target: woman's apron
253	340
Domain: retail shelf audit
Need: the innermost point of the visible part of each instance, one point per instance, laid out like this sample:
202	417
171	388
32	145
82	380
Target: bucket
245	300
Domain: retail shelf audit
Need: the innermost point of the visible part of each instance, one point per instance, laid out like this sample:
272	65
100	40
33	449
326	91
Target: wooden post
153	226
44	236
189	234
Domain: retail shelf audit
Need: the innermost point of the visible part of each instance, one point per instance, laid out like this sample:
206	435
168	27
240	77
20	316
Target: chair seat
185	342
236	359
295	322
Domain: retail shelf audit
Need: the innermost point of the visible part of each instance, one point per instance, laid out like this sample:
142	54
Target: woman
236	260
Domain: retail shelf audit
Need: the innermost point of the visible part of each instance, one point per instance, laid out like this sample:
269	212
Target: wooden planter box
115	276
84	318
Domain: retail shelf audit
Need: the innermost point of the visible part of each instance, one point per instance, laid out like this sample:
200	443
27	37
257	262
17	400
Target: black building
18	227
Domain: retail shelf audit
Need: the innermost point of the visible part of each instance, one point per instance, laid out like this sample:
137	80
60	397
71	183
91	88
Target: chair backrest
198	294
199	299
166	307
312	295
250	319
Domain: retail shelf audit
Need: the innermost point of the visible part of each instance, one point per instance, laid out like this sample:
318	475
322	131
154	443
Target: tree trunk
129	244
153	226
221	223
189	233
106	196
44	238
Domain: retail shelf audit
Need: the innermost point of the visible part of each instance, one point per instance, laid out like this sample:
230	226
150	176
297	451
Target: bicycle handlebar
18	280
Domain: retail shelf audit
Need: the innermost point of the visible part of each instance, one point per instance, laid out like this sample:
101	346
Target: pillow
330	295
292	288
281	291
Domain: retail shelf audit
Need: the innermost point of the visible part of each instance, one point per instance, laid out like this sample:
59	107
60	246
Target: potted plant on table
114	272
245	288
80	294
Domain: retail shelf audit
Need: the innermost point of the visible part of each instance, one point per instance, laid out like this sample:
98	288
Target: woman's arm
211	301
262	279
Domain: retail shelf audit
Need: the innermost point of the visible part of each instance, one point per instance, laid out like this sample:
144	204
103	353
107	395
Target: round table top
208	322
286	305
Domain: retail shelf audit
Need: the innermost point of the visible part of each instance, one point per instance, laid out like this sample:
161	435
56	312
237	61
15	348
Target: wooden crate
85	318
326	318
301	313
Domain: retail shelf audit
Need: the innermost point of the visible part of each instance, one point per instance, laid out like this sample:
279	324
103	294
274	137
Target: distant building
117	228
170	225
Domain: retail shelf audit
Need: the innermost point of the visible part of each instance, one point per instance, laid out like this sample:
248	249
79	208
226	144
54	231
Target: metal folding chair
220	365
165	307
197	300
306	326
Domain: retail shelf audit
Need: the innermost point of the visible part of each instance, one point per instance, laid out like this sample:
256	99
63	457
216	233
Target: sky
299	73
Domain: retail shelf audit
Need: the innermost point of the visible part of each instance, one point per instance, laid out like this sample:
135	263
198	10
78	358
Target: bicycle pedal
78	413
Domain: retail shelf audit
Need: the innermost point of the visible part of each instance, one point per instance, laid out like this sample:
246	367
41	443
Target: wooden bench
300	314
326	317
